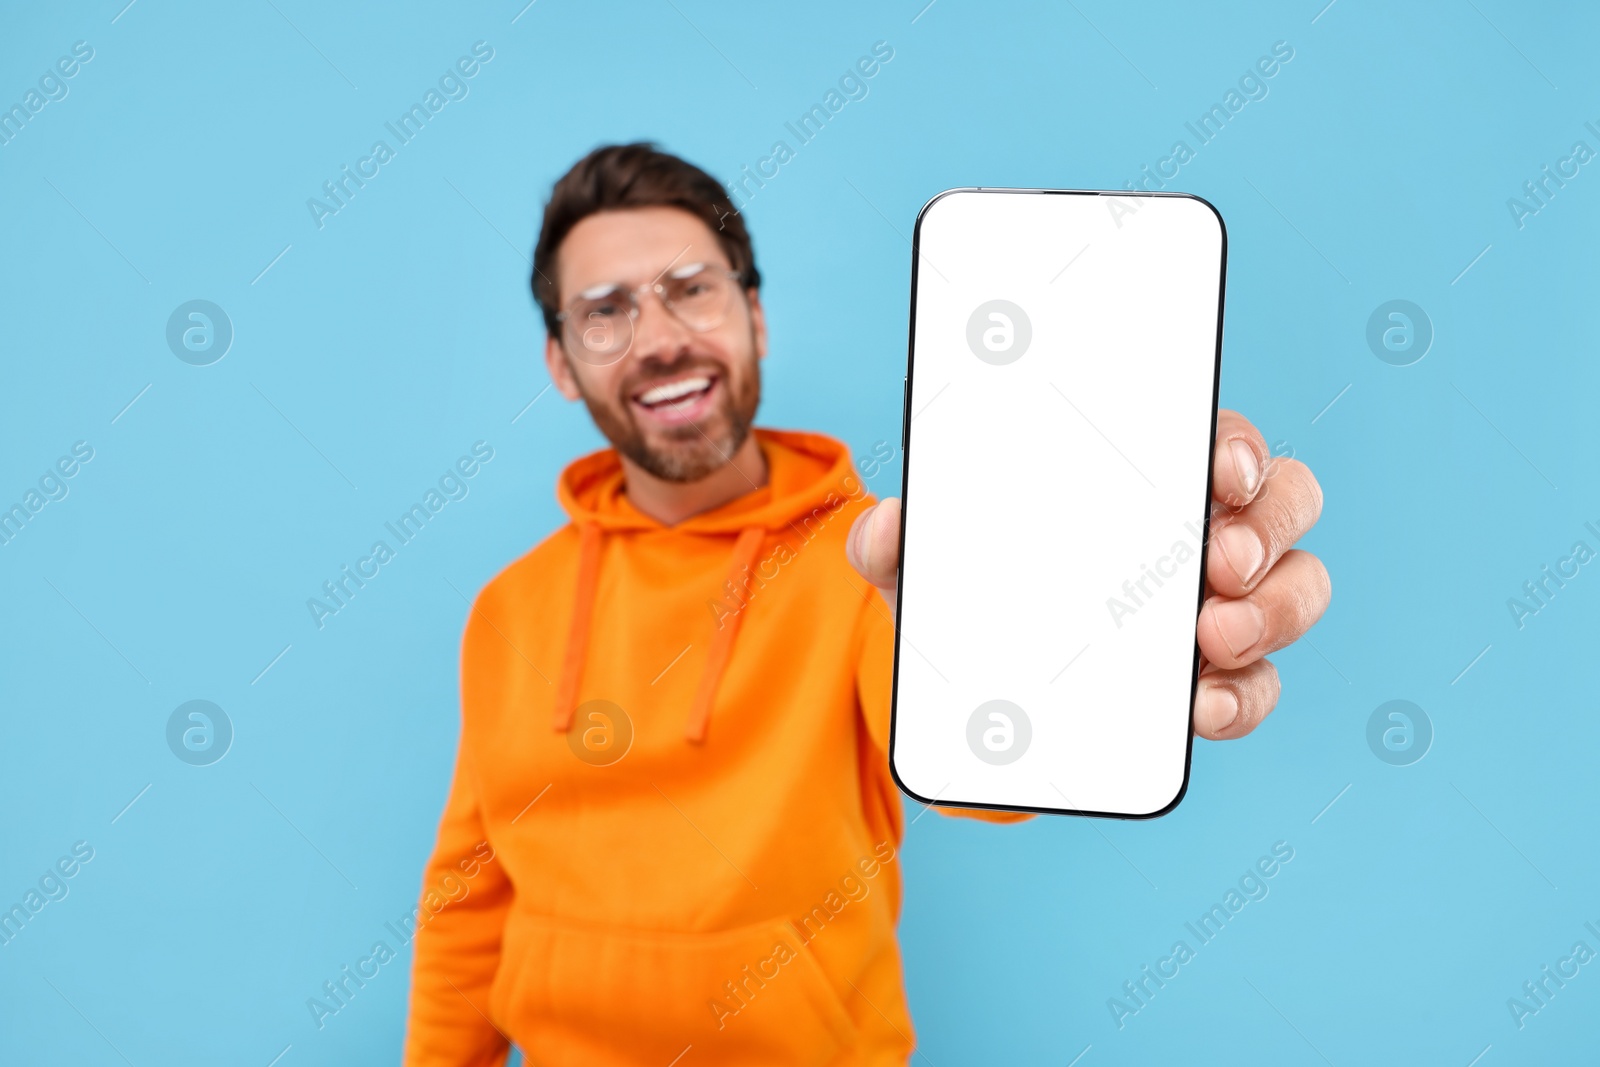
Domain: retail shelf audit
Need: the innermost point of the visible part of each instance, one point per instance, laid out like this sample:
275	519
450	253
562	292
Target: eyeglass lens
601	324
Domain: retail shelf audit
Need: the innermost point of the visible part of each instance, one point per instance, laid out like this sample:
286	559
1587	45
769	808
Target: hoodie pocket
569	993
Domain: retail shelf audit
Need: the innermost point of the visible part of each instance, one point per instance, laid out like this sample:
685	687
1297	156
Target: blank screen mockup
1060	406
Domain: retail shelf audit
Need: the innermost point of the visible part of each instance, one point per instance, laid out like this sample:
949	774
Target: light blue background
378	349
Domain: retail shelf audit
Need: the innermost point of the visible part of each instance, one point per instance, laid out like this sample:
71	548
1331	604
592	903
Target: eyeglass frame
564	316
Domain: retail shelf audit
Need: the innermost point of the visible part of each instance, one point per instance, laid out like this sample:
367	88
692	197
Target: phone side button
905	410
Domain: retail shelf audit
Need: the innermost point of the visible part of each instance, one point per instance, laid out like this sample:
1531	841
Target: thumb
873	547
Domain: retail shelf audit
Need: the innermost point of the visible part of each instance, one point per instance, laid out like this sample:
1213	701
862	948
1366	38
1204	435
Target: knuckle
1266	687
1310	577
1257	686
1316	493
1281	469
1290	504
1296	600
1319	590
1309	493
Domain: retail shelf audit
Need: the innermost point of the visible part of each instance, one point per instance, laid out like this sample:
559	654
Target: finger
1290	599
873	547
1230	704
1249	541
1240	460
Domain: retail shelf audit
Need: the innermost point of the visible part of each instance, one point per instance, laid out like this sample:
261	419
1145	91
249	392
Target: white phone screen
1061	401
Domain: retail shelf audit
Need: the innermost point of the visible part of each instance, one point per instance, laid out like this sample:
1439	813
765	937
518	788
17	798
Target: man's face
675	435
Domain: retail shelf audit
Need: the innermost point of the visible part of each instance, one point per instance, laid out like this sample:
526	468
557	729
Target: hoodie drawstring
578	632
744	557
745	550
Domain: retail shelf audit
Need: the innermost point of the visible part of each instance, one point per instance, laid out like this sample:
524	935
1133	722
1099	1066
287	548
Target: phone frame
905	510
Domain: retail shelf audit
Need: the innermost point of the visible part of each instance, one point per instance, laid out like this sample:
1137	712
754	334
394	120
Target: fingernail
1216	708
1242	549
1245	465
1240	623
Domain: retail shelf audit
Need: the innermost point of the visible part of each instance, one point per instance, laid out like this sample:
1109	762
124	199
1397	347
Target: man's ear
758	322
555	361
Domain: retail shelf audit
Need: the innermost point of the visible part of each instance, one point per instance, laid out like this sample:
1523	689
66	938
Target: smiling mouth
679	399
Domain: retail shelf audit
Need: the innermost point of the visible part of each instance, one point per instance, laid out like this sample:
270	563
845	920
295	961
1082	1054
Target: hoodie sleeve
457	945
875	683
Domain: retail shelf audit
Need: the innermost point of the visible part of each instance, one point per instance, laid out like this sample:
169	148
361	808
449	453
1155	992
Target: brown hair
614	177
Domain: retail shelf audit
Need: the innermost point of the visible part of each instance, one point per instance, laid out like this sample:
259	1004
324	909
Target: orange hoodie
671	830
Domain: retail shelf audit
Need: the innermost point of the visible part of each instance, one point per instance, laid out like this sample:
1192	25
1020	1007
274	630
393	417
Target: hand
1261	593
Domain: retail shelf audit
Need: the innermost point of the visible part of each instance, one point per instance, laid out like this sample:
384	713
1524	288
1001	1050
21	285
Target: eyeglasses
598	324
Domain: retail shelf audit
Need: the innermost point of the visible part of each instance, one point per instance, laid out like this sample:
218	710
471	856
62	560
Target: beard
694	450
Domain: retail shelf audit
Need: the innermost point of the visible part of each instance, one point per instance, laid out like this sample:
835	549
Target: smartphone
1059	425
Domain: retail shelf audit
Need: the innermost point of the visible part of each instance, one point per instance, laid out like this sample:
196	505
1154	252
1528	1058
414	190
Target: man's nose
657	332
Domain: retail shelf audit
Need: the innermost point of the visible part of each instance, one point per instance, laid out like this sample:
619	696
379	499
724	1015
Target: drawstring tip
696	730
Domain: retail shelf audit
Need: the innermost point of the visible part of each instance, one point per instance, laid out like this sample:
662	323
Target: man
671	835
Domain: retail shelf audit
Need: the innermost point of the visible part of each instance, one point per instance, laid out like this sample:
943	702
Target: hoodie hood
803	470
